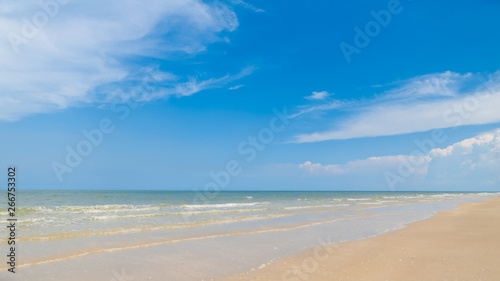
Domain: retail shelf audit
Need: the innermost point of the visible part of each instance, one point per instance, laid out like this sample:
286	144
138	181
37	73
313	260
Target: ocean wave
138	216
412	197
225	205
129	230
219	212
369	203
116	217
315	206
86	209
352	199
36	220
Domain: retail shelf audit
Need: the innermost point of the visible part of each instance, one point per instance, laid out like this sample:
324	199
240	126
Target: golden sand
462	244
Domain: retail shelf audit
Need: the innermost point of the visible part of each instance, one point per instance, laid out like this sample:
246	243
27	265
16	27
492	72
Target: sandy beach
462	244
274	236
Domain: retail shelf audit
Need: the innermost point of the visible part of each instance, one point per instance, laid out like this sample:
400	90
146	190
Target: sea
55	225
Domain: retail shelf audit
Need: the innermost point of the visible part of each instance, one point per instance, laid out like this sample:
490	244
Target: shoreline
460	244
249	245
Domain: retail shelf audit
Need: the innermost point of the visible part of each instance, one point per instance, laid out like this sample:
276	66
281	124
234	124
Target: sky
255	95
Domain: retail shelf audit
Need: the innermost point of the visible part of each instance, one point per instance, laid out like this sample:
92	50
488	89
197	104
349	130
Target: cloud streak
318	95
320	102
87	45
420	104
246	5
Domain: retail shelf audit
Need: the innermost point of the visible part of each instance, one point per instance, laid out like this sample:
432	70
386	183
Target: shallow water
58	226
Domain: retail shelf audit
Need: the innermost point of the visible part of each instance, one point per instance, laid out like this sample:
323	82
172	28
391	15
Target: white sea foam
114	217
226	205
315	206
220	211
369	203
88	209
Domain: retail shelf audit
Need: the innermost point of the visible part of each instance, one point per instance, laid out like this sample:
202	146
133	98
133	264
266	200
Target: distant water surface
60	214
60	225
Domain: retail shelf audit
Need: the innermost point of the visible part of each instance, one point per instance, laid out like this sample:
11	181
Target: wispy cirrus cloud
86	45
319	103
446	84
236	87
164	85
419	104
317	108
194	86
246	5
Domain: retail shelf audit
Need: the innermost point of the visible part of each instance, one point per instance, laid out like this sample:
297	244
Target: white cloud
369	165
194	86
421	104
318	168
473	163
247	5
442	152
318	95
438	84
320	102
160	85
88	44
490	141
236	87
318	108
467	164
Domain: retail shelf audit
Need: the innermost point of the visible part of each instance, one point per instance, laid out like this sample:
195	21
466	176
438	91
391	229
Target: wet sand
462	244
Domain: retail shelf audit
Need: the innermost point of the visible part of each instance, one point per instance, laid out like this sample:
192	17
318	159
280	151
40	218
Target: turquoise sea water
57	226
61	214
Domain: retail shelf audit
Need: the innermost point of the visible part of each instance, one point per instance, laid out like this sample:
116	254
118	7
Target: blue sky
182	85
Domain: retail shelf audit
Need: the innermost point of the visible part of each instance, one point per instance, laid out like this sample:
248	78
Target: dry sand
463	244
